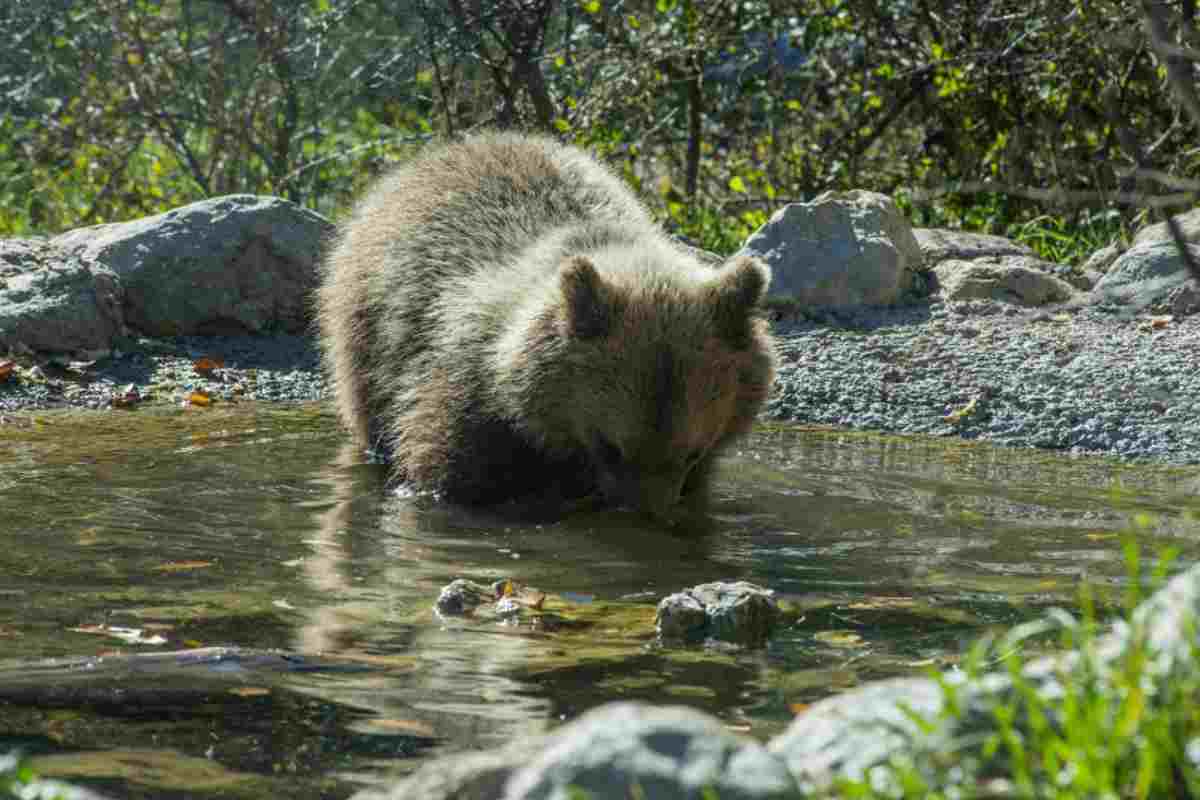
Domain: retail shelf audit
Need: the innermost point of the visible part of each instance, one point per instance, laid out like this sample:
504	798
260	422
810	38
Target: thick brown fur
503	317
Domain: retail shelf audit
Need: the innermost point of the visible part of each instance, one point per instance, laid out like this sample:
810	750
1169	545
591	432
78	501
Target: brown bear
504	319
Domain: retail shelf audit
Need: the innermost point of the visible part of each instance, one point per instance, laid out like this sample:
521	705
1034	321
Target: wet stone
737	612
681	617
462	596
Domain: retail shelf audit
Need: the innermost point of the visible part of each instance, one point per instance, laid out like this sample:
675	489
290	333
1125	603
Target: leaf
737	185
200	398
959	415
250	691
206	365
798	708
7	369
840	638
410	727
590	6
182	566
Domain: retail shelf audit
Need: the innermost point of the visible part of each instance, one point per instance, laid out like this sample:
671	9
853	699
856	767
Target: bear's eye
609	453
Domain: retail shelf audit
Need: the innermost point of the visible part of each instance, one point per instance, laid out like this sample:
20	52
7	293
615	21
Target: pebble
1088	381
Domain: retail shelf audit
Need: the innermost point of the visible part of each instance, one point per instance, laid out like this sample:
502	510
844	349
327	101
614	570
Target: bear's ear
740	288
590	310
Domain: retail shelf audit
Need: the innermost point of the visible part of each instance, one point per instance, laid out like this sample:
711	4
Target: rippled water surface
133	534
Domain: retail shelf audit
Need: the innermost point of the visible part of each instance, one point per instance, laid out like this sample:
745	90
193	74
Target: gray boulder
1015	279
1189	222
467	776
53	304
21	255
620	749
847	734
842	249
614	752
1145	274
939	244
740	612
235	264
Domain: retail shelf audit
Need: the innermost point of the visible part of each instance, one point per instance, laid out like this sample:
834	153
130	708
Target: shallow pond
127	534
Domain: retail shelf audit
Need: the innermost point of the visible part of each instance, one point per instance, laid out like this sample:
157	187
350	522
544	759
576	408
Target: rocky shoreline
1079	380
879	326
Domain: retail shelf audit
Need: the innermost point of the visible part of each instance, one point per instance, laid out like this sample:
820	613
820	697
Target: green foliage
1017	119
1124	728
18	780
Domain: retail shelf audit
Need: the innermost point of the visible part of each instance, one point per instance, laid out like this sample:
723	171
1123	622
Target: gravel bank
1078	380
272	368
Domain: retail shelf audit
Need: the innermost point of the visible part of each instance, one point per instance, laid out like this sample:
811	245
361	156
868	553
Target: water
159	531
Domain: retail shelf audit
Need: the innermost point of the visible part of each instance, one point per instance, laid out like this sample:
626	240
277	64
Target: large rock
1145	274
1189	222
737	612
53	304
467	776
939	244
616	750
842	249
236	264
1015	279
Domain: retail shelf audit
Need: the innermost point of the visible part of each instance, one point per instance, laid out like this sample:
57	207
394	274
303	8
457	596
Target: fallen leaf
798	708
840	638
7	368
412	727
206	365
1158	323
182	566
876	603
250	691
199	398
959	415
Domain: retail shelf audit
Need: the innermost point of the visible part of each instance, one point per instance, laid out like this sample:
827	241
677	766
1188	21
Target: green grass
17	779
1119	729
